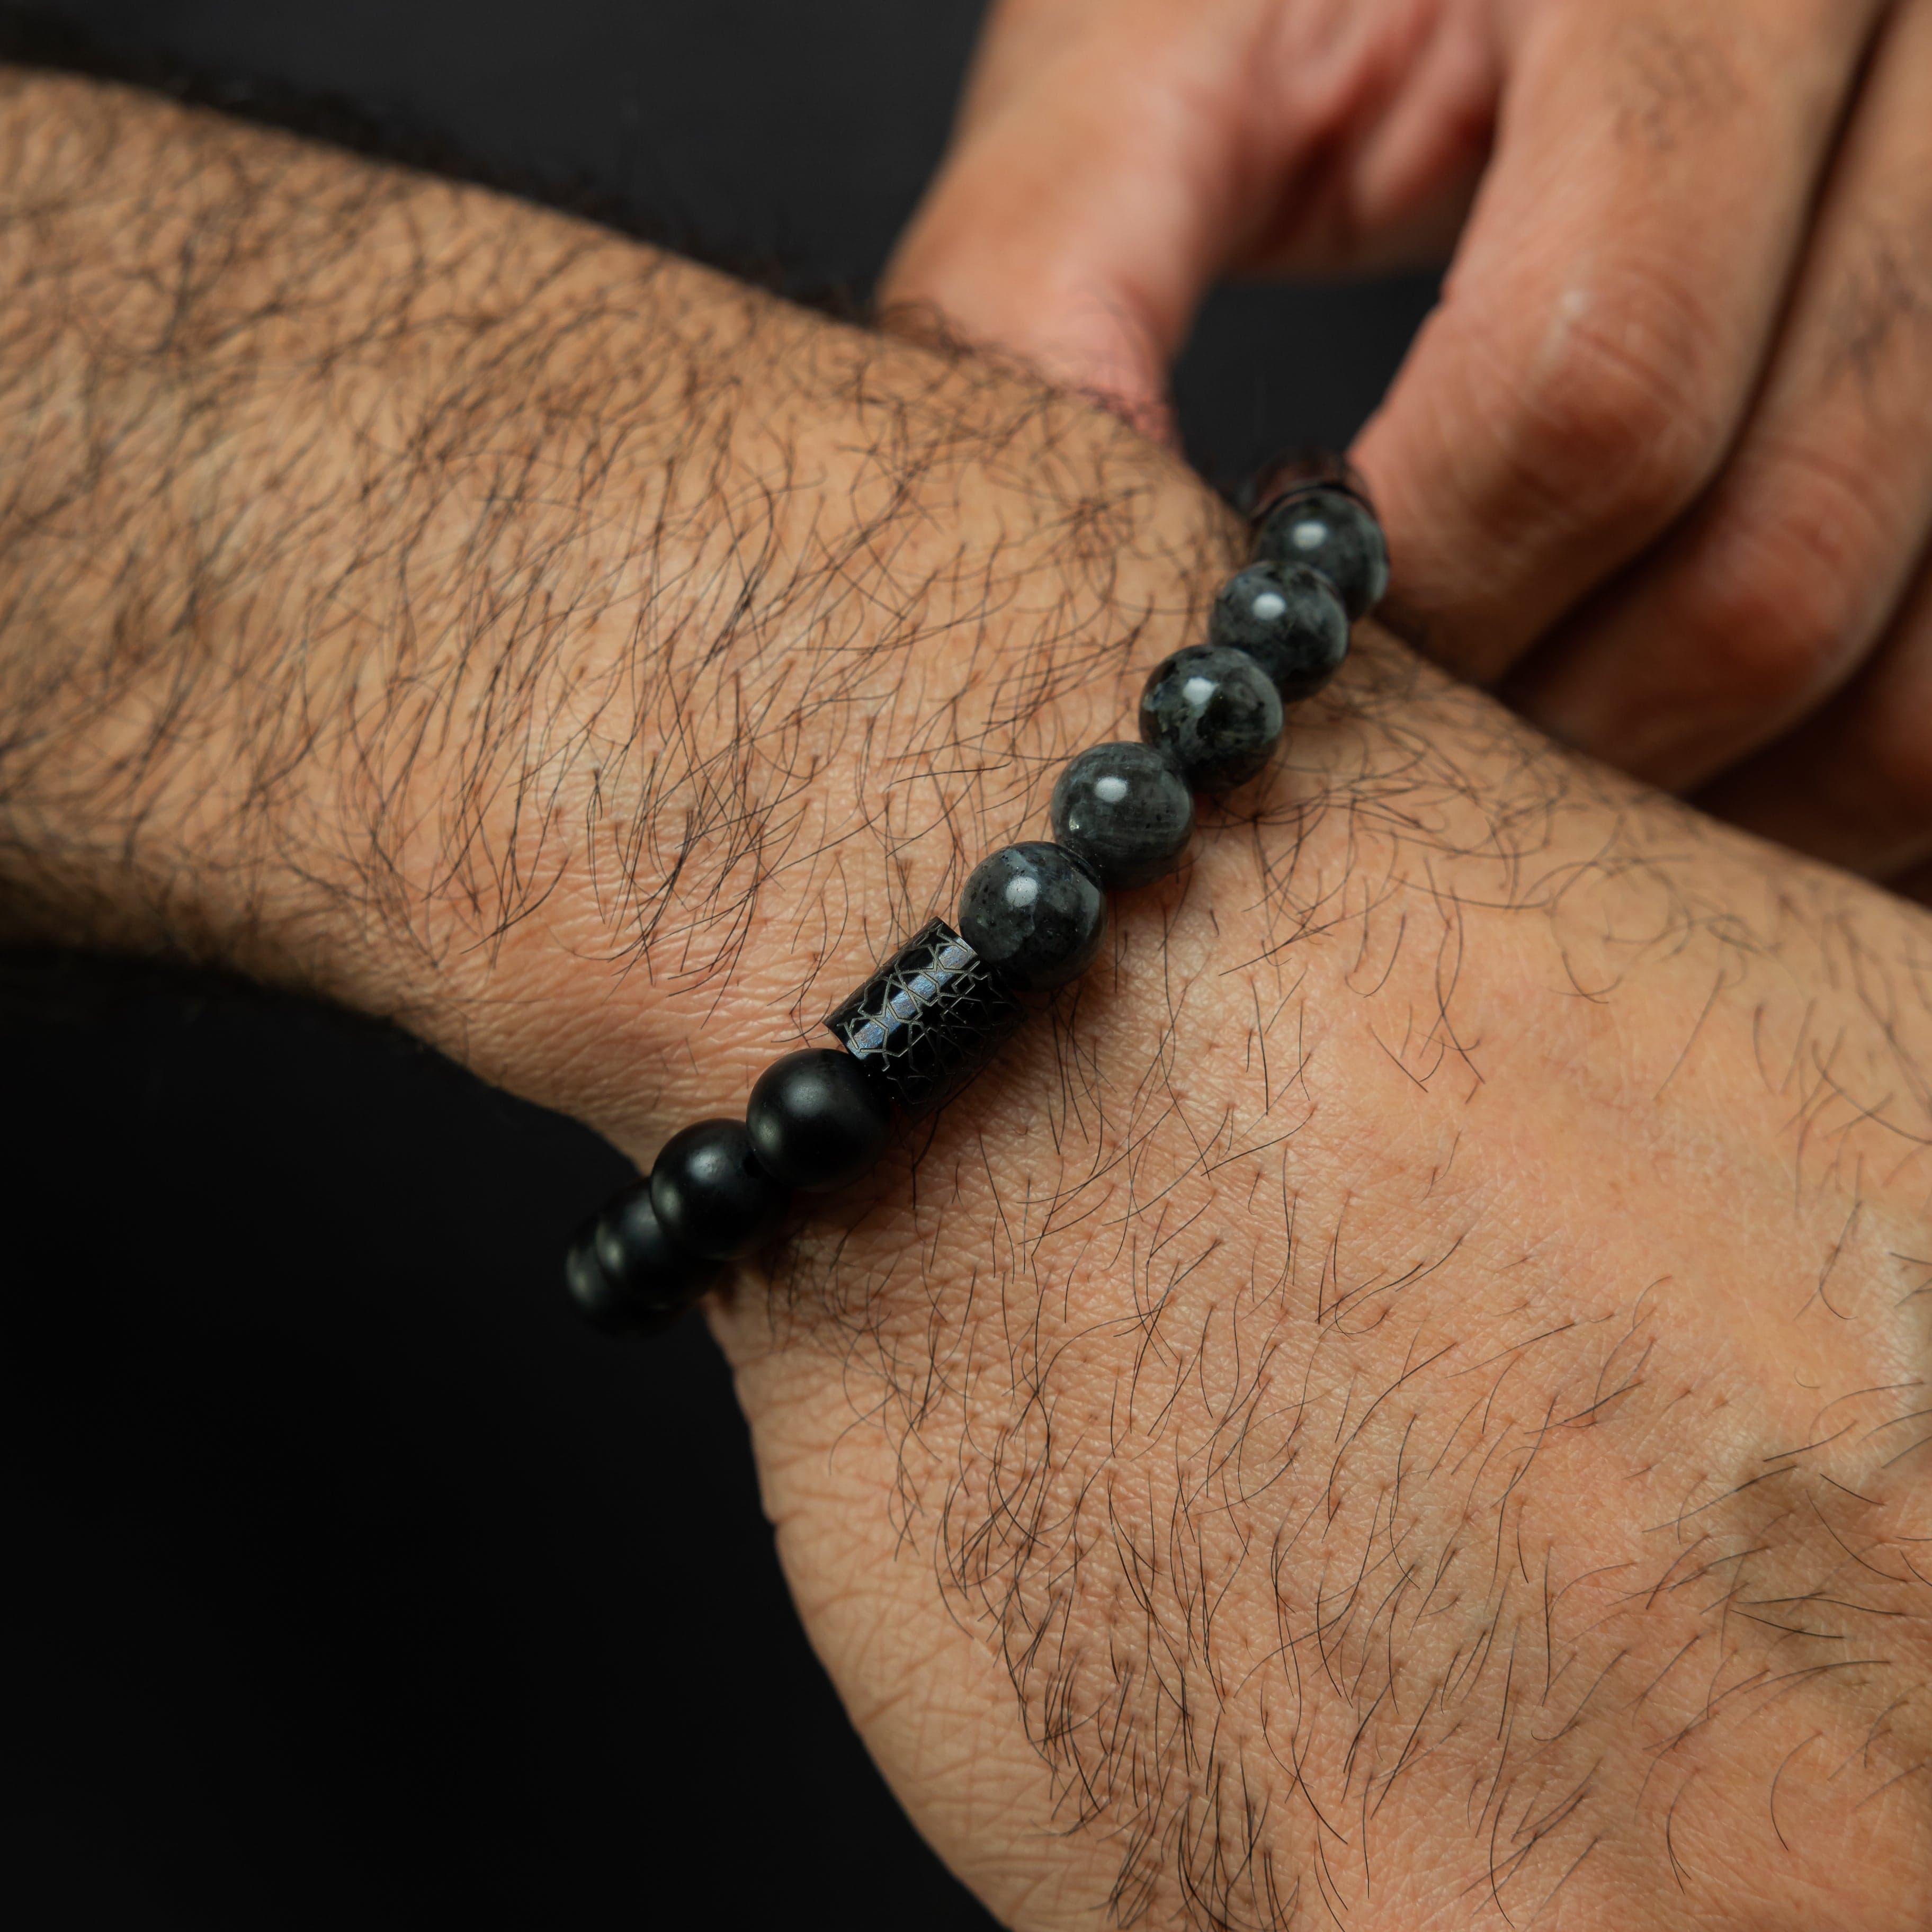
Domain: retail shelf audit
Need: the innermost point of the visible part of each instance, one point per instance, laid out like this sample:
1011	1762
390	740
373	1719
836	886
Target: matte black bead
929	1020
1288	619
816	1120
711	1195
624	1273
605	1303
1035	914
1126	811
1214	712
1334	533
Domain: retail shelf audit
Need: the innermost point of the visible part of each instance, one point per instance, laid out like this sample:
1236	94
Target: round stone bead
816	1120
1125	812
1335	534
625	1275
710	1194
1288	620
1294	471
1035	914
1214	712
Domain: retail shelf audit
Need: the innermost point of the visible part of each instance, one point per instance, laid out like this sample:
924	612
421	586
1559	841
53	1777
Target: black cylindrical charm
928	1020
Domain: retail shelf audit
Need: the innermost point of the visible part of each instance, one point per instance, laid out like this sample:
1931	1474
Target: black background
349	1582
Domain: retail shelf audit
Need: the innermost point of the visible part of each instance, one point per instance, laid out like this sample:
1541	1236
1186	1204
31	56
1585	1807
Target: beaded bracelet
1031	918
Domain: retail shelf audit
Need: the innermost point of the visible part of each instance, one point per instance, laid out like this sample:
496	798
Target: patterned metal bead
927	1020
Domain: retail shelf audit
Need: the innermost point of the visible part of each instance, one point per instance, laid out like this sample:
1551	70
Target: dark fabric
350	1581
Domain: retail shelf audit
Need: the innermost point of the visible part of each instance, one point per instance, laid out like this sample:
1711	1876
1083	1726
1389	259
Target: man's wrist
596	666
476	618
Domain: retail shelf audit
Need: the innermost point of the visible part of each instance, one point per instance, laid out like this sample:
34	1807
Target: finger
1611	306
1089	197
1790	572
1852	784
1115	156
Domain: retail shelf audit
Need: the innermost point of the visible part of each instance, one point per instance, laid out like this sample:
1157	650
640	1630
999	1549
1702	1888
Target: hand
1405	1396
1408	1406
1660	464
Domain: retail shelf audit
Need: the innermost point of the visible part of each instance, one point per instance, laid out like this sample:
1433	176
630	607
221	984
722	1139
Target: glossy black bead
1035	914
929	1020
1288	619
626	1276
1334	533
1214	712
1125	812
710	1193
816	1119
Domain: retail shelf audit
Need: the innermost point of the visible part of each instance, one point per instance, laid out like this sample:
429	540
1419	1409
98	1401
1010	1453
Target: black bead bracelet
1032	917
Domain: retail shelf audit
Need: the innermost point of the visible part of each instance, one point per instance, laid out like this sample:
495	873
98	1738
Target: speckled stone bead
1214	712
1035	914
626	1276
1126	811
1334	533
929	1020
1288	619
711	1195
816	1119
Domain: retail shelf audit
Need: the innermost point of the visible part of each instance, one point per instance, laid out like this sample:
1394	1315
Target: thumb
1095	187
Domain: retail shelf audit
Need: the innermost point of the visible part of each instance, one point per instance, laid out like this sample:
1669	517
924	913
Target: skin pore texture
1401	1401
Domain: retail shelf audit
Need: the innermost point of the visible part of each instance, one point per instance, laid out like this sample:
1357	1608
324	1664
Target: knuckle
1761	631
1790	602
1619	417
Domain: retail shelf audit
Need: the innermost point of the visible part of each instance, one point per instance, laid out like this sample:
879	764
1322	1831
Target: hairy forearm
403	590
1451	1263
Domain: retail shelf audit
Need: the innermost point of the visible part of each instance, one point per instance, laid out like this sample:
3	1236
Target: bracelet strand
1031	918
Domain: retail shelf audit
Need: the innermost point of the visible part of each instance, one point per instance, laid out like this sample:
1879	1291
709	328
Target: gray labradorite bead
1334	533
1035	914
1126	811
1215	712
1288	619
927	1020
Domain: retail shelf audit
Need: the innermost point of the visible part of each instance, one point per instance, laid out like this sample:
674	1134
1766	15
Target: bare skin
1401	1402
1660	463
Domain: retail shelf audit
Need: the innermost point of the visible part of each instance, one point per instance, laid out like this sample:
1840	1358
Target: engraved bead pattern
929	1019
